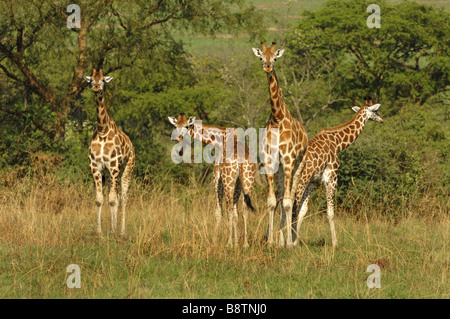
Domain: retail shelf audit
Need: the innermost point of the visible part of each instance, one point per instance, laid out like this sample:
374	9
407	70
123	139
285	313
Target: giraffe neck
210	134
279	109
103	118
347	133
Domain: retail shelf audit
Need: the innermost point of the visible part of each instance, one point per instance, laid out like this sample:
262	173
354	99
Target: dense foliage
332	60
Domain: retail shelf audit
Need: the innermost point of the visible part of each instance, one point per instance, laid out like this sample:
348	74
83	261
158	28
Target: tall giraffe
320	163
232	174
111	154
293	140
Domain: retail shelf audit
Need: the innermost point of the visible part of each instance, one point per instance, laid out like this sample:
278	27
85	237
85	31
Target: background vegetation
195	57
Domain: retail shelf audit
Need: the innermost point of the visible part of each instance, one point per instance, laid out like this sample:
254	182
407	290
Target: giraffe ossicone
111	155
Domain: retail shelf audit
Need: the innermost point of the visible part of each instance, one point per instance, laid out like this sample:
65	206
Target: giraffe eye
260	59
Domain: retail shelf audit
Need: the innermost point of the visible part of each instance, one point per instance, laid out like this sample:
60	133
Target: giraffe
232	174
293	140
320	163
111	154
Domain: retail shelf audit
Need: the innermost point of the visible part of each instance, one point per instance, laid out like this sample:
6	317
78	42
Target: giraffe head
268	56
371	112
182	125
98	81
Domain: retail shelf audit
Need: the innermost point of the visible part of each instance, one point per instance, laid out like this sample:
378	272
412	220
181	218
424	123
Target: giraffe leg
99	196
236	195
279	182
245	217
247	178
113	198
126	178
228	184
272	205
219	210
287	204
330	189
230	209
302	198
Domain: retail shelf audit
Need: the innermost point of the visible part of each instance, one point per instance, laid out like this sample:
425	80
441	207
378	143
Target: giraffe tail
248	202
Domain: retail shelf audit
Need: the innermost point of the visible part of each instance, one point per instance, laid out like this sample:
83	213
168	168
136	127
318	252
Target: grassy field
278	16
46	225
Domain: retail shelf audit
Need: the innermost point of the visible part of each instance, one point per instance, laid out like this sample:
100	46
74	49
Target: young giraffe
320	163
231	174
292	143
111	154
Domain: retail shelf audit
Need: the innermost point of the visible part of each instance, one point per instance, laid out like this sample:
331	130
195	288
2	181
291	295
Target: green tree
408	57
39	52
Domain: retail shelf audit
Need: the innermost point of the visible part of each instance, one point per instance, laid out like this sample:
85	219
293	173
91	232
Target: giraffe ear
257	52
374	107
172	120
88	79
356	108
279	53
107	78
191	120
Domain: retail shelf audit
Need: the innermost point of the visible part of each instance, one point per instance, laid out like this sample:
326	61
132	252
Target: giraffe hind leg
330	187
126	178
218	213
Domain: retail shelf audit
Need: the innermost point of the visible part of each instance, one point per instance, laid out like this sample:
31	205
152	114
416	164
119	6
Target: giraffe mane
339	128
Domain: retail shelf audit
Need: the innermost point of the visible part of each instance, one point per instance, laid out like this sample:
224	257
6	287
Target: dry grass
47	224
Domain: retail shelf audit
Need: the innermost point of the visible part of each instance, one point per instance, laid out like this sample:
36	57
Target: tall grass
48	223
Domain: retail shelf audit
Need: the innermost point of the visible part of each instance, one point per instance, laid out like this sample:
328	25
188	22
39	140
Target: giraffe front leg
287	204
245	217
99	197
236	195
230	208
271	206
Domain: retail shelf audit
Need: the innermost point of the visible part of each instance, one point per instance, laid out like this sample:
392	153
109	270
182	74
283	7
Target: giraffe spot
113	154
345	140
113	163
107	148
351	138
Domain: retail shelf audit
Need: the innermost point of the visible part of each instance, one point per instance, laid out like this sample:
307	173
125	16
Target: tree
39	52
408	57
